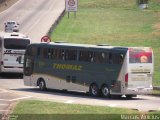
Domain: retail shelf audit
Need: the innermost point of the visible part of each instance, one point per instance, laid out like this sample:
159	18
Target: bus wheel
42	85
94	90
105	91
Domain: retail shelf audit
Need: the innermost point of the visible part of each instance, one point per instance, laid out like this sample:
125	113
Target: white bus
97	69
12	49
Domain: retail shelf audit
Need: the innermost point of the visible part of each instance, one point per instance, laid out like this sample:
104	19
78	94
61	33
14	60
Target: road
35	18
14	86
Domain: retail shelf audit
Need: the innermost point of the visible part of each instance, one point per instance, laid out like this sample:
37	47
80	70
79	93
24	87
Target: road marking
3	110
21	98
3	104
112	105
3	100
3	91
69	102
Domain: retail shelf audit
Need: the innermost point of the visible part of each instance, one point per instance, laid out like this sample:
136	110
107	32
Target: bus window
86	56
117	58
50	53
140	56
101	57
15	43
70	55
31	51
58	54
43	52
110	59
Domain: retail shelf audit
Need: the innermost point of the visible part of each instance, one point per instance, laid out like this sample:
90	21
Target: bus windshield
140	55
16	43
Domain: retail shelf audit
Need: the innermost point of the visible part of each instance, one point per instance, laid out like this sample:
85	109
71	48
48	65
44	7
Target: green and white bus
97	69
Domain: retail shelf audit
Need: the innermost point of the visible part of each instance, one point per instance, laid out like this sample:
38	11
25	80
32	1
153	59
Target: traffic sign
45	39
71	5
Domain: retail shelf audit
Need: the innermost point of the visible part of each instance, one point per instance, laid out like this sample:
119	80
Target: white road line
3	91
3	110
69	102
112	105
3	100
21	98
3	104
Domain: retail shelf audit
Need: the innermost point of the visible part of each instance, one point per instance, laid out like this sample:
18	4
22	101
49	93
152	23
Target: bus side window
50	53
117	58
70	55
110	59
43	52
86	56
31	51
58	54
121	58
101	57
61	54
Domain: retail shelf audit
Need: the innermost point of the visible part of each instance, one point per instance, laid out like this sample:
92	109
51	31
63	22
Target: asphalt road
13	85
35	18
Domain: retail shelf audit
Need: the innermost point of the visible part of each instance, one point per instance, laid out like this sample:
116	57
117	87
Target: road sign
45	39
71	5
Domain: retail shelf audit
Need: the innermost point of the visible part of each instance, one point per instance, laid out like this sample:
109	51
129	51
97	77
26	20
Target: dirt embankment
4	4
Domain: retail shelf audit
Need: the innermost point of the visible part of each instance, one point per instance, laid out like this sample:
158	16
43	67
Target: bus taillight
126	79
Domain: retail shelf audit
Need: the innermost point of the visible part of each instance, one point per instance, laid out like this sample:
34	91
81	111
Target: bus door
140	69
29	60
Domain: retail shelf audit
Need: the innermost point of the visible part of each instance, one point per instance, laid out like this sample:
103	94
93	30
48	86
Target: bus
101	70
12	49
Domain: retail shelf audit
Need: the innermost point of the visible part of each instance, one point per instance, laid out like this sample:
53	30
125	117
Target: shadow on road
11	76
72	94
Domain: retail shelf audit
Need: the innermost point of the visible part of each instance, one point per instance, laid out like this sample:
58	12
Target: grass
41	110
156	92
119	23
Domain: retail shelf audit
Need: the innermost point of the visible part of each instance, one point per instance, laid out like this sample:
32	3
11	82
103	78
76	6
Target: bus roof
80	45
13	35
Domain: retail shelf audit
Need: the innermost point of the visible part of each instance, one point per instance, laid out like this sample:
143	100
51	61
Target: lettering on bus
140	70
67	67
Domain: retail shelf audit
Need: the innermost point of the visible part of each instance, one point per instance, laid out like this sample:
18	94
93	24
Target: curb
55	23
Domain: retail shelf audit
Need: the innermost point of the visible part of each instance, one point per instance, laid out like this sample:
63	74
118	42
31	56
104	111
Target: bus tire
105	91
129	96
42	85
94	90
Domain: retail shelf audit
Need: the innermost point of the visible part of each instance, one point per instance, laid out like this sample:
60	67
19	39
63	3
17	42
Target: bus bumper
138	91
12	70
